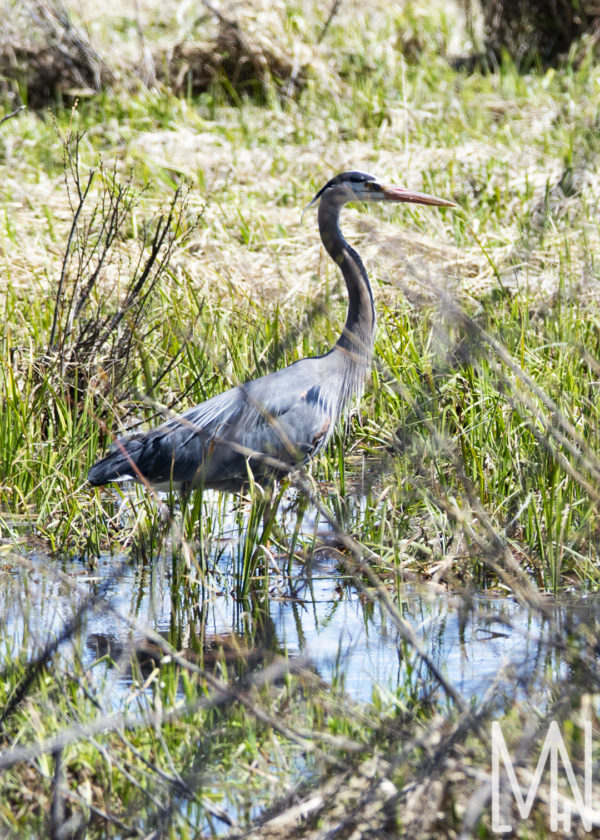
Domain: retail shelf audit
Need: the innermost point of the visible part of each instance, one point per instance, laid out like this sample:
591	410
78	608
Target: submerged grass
471	462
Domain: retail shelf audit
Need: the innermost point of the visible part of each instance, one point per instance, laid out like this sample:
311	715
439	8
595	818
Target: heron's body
209	445
272	424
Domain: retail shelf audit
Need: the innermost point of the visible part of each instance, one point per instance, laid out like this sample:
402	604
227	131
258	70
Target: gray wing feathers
284	416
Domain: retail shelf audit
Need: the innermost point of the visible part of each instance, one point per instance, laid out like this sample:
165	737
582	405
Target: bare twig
12	114
66	258
332	13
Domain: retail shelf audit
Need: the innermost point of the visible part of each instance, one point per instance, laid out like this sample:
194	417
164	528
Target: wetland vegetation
193	668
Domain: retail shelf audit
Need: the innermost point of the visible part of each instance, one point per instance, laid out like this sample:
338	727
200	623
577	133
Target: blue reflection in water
348	640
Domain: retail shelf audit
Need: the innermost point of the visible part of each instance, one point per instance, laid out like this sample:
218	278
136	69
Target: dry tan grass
218	256
283	265
284	255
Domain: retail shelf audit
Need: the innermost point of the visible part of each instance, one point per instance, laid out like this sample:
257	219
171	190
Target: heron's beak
391	193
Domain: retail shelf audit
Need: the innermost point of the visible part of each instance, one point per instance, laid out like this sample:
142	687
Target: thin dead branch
12	114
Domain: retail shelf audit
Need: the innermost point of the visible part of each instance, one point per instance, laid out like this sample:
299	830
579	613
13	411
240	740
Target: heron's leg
260	524
192	526
273	496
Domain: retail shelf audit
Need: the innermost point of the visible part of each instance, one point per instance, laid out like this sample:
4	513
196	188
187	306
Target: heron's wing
284	416
170	453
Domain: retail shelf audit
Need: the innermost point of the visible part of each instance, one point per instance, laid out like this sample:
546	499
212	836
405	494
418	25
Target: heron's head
360	186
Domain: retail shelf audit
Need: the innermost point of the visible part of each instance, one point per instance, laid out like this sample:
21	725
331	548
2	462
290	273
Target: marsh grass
471	462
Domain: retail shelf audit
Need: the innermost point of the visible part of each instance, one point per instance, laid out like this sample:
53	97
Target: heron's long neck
358	334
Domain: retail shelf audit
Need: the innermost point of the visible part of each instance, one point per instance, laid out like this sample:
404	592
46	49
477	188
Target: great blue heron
272	424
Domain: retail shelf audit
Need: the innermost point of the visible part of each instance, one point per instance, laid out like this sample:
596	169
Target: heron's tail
118	465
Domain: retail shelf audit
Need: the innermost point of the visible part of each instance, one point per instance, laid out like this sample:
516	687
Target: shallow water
474	641
483	645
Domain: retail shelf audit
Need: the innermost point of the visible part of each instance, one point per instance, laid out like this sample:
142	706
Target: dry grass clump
244	64
530	28
44	56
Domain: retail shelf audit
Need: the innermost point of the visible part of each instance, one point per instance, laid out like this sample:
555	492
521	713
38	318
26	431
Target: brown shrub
528	29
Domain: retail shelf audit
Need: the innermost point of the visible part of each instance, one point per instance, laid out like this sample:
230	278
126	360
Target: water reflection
349	639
